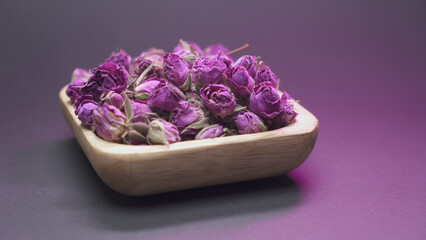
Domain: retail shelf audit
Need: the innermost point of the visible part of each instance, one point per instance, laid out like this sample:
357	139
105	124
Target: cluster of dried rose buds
190	93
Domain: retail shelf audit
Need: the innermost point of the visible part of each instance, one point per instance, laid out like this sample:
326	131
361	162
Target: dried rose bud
264	74
85	110
107	77
74	90
120	58
214	49
207	71
162	132
115	99
154	54
286	117
140	64
166	96
227	60
248	122
212	131
218	100
241	82
188	117
175	69
265	101
142	112
146	88
81	75
249	63
109	123
182	51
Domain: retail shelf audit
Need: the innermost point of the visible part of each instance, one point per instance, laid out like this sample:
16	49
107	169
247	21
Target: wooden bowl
144	170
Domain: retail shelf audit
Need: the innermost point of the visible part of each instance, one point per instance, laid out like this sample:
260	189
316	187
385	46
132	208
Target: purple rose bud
207	71
175	69
154	54
162	132
109	123
287	116
265	101
79	100
218	100
85	110
120	58
179	49
146	88
166	96
140	64
227	60
212	131
115	99
188	117
240	82
214	49
248	122
264	74
81	75
74	90
107	77
142	112
249	63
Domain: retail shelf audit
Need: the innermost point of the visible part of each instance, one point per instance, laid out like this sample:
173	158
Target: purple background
359	66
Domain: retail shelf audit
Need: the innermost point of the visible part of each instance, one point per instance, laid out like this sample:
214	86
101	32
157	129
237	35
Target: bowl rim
305	123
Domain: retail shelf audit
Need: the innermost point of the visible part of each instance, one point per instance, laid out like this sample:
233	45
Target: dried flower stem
238	49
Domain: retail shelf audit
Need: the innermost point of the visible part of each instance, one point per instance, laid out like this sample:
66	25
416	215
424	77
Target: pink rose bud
188	117
107	77
212	131
218	100
264	74
240	82
248	122
142	112
166	96
146	88
162	132
120	58
109	123
81	75
85	111
286	117
181	51
249	63
265	101
140	64
207	71
220	56
115	99
214	49
73	90
175	69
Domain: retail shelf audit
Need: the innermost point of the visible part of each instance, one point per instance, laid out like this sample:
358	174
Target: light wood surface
144	170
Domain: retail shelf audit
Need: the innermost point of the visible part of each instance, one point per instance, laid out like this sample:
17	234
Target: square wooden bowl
144	170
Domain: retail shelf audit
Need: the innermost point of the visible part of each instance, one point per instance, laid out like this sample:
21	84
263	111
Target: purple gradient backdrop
359	66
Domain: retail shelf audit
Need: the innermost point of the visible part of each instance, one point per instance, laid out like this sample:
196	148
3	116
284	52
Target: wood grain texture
144	170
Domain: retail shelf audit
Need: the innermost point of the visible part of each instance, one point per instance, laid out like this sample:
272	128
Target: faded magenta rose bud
165	97
249	63
188	117
218	100
85	110
146	88
120	58
175	69
181	51
241	82
248	122
142	112
81	75
207	71
162	132
154	54
79	100
74	90
214	49
264	74
107	77
286	117
109	123
115	99
227	60
140	64
212	131
266	102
